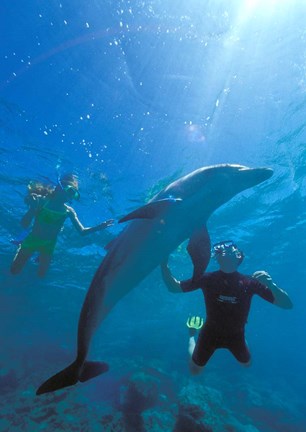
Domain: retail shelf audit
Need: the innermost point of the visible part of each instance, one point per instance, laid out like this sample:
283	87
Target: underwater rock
202	408
140	394
8	381
112	423
44	415
189	419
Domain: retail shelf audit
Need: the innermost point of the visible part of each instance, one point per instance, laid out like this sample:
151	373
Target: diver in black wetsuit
227	296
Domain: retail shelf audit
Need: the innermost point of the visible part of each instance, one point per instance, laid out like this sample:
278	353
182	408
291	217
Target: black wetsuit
228	299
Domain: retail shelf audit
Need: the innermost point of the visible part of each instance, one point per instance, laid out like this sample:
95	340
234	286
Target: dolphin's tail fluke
71	375
92	369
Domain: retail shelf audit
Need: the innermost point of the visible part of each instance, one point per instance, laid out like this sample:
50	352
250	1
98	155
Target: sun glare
262	9
263	4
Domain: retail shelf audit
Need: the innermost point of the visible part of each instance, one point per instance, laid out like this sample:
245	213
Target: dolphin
178	212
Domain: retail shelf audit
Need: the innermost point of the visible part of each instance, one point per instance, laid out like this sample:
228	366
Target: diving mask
225	246
70	190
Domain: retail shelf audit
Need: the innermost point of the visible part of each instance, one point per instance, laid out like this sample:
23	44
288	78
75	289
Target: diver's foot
194	324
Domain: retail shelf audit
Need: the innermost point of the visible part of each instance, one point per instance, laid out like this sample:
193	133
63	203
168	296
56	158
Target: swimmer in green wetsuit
49	211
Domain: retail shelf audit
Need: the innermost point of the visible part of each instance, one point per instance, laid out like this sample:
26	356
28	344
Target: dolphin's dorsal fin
151	210
199	251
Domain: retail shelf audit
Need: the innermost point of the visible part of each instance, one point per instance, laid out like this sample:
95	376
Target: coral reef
149	400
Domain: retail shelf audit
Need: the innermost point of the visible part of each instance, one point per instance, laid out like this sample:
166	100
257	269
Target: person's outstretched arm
172	284
281	298
87	230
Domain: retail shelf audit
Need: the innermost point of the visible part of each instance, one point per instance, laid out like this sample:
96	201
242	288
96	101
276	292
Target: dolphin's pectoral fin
65	378
71	375
151	210
199	251
92	369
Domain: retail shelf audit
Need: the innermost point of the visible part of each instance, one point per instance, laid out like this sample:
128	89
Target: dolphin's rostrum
177	213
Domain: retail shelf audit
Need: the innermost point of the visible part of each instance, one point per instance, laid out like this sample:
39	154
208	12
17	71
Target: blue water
131	95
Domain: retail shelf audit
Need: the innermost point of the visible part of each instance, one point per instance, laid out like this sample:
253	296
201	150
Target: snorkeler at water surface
48	210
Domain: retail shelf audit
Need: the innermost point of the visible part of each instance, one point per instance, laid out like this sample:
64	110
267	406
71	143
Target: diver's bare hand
106	223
